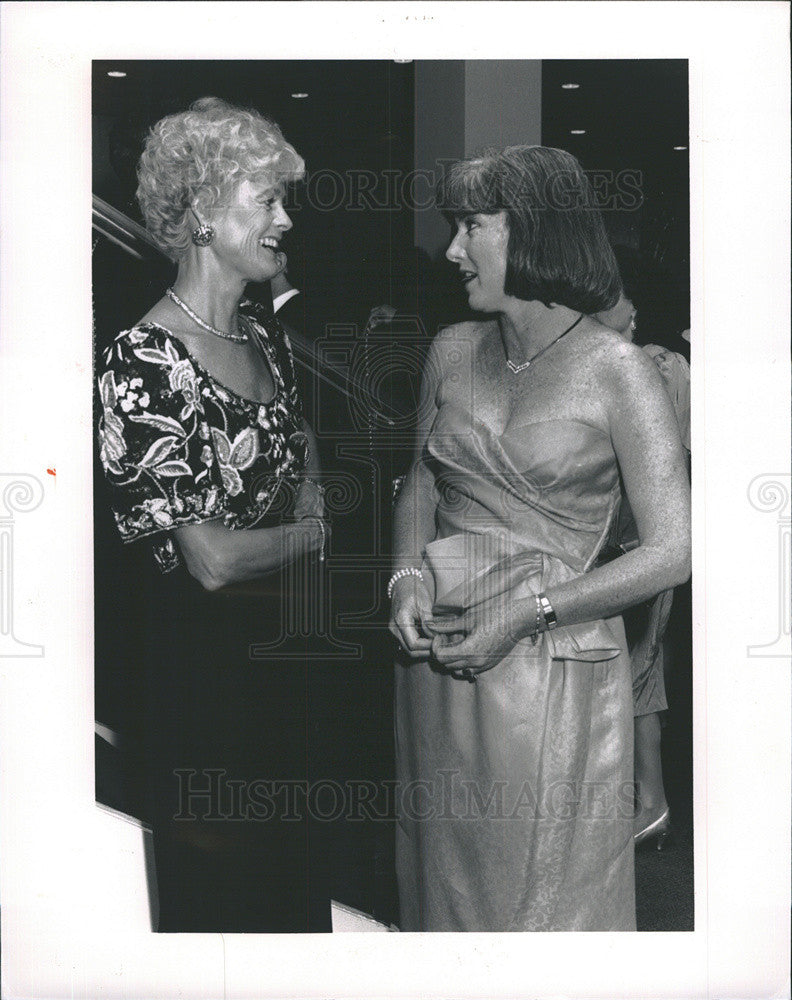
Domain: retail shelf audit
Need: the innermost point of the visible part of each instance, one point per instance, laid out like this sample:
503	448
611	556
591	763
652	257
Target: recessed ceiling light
403	60
117	73
680	148
577	131
570	86
299	96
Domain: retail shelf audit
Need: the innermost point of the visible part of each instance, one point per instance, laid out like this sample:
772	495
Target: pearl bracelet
400	575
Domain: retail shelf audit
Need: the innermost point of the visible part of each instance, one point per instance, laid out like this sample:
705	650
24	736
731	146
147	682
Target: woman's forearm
313	467
414	517
217	556
610	589
309	500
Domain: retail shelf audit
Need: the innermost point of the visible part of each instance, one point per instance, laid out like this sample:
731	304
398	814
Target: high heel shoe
657	834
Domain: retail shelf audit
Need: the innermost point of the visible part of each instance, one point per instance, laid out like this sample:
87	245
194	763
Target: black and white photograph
285	747
397	551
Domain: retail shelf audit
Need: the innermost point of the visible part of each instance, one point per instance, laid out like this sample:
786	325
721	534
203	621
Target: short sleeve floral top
180	448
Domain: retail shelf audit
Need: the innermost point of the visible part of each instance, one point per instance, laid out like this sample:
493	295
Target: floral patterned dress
179	448
225	729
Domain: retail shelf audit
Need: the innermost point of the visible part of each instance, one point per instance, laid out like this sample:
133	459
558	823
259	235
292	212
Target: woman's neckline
551	420
274	369
522	426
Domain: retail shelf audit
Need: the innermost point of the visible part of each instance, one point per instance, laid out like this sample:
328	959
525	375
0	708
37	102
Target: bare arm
217	556
414	523
309	501
646	440
414	515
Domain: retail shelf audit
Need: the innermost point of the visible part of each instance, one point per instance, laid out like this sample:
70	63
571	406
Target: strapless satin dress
515	804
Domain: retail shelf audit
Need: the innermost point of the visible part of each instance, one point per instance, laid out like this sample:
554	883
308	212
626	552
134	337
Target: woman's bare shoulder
621	377
470	330
608	352
458	346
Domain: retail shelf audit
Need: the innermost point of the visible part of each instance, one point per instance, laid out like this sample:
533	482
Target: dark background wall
634	115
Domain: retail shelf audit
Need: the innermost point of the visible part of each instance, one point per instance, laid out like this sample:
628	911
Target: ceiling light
577	131
402	60
680	148
570	86
116	73
299	96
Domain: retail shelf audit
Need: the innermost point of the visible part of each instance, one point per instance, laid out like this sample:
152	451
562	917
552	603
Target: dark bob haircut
558	250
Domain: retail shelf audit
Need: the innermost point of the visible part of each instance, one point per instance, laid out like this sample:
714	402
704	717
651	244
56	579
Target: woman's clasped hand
411	610
475	640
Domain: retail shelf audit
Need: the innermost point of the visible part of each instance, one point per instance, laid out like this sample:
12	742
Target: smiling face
479	250
248	230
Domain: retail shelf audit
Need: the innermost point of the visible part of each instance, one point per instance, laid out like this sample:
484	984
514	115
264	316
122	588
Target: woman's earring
203	235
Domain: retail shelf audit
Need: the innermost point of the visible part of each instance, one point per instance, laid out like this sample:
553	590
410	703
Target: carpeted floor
664	879
664	884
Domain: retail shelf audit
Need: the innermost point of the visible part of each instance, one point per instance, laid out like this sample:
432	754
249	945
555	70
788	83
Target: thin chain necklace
521	368
238	338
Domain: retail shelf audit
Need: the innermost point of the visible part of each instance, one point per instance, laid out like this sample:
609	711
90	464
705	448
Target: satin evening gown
515	804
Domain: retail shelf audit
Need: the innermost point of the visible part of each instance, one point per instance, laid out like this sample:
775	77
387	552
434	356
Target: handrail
123	231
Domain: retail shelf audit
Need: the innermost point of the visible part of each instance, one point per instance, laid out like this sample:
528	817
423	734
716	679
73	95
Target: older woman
209	460
513	691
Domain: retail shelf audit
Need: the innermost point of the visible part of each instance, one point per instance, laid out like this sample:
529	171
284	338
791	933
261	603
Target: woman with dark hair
513	687
208	458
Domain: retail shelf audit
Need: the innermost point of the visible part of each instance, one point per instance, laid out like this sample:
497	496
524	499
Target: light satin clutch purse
468	570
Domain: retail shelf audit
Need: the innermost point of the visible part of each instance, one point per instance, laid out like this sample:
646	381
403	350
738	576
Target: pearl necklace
521	368
238	338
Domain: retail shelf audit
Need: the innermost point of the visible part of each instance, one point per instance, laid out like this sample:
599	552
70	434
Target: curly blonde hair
200	155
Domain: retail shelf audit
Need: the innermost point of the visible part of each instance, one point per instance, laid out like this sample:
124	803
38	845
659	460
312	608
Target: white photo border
74	908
